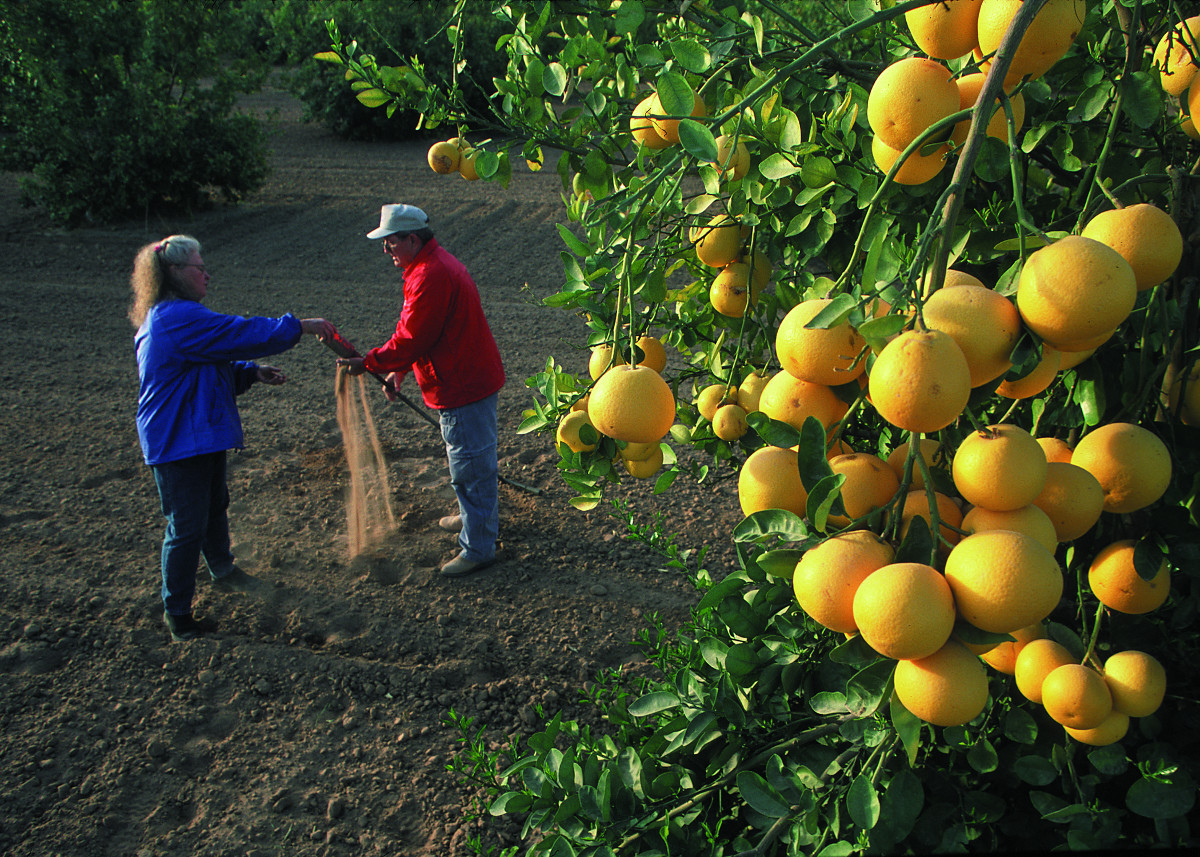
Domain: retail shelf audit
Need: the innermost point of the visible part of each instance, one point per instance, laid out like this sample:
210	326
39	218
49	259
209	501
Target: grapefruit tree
692	137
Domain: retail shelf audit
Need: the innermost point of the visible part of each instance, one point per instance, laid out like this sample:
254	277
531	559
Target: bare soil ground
314	722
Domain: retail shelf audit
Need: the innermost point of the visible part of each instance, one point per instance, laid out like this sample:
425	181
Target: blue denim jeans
470	433
195	500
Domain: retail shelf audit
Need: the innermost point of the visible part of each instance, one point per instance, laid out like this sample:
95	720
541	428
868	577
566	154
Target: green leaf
826	499
1148	556
1142	98
653	703
697	140
577	247
692	55
1110	761
811	457
900	806
773	432
554	79
771	522
918	542
908	728
675	94
329	56
1020	726
818	172
780	563
742	660
757	792
510	803
373	97
777	166
1035	770
829	702
1152	798
862	802
982	757
628	16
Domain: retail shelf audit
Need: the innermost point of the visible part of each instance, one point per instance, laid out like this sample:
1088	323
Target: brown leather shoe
451	523
460	566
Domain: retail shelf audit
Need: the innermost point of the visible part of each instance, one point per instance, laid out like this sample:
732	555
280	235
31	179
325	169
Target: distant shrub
128	107
392	30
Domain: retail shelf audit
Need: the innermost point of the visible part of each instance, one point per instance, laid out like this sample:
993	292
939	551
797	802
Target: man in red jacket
443	337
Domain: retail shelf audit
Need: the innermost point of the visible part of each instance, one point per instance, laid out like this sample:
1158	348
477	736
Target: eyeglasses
392	240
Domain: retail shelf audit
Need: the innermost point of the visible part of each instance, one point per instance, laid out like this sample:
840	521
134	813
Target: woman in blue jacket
192	363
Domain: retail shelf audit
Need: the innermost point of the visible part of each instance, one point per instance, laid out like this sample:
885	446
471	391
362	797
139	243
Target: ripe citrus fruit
904	610
1071	498
466	164
1003	656
984	324
952	278
1003	580
945	31
712	397
1145	236
642	129
601	358
916	169
1183	396
908	96
668	126
792	401
750	390
969	88
870	484
443	157
1137	682
632	403
1075	290
1035	381
1117	585
1036	660
1056	449
828	575
639	451
644	468
947	688
729	422
1030	520
1048	38
733	158
1111	730
770	479
654	355
732	291
920	381
929	449
568	432
718	242
1174	56
1000	468
828	356
916	503
1076	696
1131	464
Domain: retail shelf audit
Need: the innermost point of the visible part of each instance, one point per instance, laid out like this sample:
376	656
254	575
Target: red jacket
442	335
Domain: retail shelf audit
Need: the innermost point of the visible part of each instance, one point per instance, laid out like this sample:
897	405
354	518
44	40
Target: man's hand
393	378
271	375
353	365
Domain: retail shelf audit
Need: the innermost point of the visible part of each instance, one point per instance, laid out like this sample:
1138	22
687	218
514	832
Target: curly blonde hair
153	280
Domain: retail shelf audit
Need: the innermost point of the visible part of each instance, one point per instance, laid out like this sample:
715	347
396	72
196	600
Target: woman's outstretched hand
271	375
318	327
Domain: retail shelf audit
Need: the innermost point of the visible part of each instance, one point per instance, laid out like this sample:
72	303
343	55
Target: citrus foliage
770	732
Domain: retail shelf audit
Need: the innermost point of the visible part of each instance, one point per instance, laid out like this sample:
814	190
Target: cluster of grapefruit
455	155
1175	58
1000	576
915	93
631	404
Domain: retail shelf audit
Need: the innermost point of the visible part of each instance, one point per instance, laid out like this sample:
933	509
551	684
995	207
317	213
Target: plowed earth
314	722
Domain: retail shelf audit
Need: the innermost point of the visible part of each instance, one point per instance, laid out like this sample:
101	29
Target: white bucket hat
399	218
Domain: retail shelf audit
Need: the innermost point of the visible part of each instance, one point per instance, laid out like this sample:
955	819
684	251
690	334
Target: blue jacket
192	362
